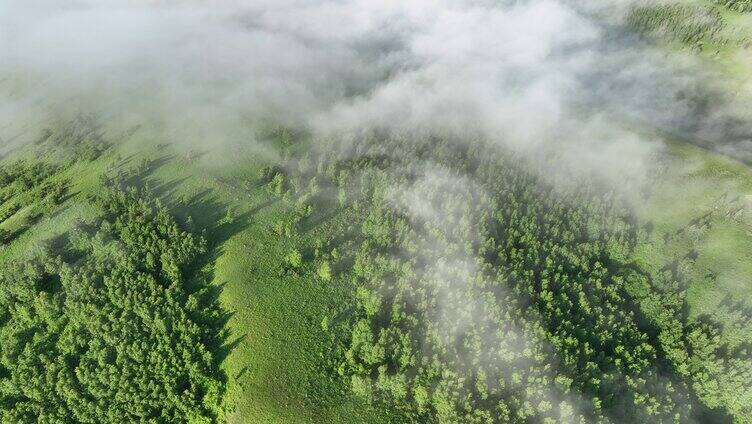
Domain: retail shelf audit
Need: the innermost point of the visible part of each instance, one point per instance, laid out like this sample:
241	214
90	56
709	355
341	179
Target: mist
541	77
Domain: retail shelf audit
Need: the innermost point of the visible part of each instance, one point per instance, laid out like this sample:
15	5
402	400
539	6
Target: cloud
549	79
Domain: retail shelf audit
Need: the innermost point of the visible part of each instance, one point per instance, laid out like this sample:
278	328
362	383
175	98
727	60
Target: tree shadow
224	350
315	221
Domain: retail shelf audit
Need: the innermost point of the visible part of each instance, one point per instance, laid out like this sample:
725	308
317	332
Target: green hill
379	279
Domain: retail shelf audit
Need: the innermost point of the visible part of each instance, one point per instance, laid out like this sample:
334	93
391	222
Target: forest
102	326
387	241
498	298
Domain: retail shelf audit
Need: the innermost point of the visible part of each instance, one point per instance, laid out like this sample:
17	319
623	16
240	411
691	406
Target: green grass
701	184
280	367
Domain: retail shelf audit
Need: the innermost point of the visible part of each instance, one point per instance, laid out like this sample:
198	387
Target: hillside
412	270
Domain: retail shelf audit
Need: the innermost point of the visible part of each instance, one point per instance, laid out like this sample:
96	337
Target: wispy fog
540	76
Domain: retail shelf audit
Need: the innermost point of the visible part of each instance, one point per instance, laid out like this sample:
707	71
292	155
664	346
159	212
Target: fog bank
542	77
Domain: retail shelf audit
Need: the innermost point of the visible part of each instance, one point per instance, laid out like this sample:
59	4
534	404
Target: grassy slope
275	358
700	184
707	207
705	198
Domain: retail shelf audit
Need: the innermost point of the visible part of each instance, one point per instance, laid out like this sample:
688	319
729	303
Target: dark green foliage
107	332
29	185
19	178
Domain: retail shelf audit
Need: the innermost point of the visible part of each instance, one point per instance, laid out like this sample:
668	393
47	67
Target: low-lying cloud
539	76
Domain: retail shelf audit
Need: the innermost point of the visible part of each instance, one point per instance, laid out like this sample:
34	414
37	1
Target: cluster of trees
736	5
686	23
485	294
713	350
31	185
31	189
77	139
103	328
502	302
